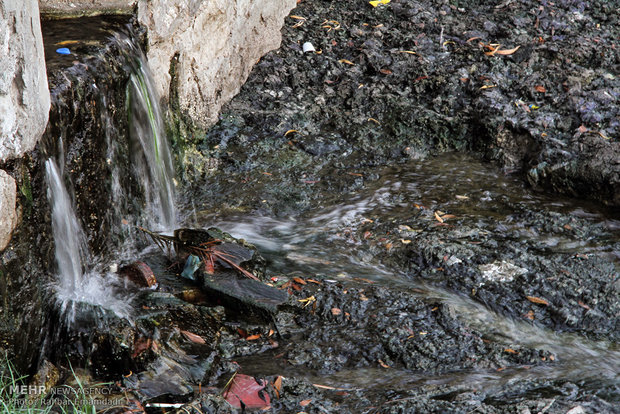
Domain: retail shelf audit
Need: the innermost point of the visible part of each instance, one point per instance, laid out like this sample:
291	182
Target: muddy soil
430	76
474	272
407	278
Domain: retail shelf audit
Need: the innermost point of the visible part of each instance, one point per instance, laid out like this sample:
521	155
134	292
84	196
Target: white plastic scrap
308	47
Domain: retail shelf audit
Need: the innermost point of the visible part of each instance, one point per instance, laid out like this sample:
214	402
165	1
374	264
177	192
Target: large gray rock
24	94
213	45
67	8
8	217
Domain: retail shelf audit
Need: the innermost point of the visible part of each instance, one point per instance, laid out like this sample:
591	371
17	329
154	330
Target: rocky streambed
398	271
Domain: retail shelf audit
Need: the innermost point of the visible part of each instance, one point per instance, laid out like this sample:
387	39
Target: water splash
76	285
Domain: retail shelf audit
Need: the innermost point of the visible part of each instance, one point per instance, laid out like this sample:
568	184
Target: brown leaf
299	280
193	337
529	315
583	305
336	311
348	62
582	128
540	88
324	387
448	216
305	402
252	337
385	71
277	384
383	364
507	51
438	217
538	300
510	351
314	281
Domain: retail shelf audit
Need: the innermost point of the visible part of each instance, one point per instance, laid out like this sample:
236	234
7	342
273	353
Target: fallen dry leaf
348	62
383	364
252	337
324	387
583	305
247	392
299	280
385	71
336	311
510	351
507	51
193	337
538	300
438	217
304	402
540	88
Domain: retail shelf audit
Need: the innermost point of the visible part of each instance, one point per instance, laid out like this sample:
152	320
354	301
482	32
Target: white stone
85	7
8	217
24	94
501	271
216	41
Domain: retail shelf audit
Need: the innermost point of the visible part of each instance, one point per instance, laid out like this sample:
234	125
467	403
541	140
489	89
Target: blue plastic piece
63	51
191	265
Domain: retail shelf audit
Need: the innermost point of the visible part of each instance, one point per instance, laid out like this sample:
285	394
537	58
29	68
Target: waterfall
76	284
150	149
83	279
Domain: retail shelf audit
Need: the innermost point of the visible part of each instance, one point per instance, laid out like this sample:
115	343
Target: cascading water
83	279
76	284
150	153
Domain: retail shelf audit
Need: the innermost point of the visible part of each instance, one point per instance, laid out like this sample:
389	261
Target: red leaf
540	88
249	391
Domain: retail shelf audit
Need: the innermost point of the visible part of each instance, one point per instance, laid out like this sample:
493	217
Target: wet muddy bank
395	275
338	165
425	75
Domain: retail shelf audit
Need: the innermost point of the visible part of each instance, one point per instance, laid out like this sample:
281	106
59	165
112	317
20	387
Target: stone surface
8	217
24	94
211	47
66	8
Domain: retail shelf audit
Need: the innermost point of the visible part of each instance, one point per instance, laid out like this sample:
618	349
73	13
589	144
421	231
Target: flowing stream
319	242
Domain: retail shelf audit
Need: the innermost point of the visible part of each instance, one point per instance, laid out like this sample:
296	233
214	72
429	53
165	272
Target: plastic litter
191	265
63	51
308	47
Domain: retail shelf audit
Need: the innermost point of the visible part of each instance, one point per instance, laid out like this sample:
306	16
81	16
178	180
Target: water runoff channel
315	243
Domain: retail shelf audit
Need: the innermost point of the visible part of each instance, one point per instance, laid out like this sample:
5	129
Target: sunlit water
317	243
